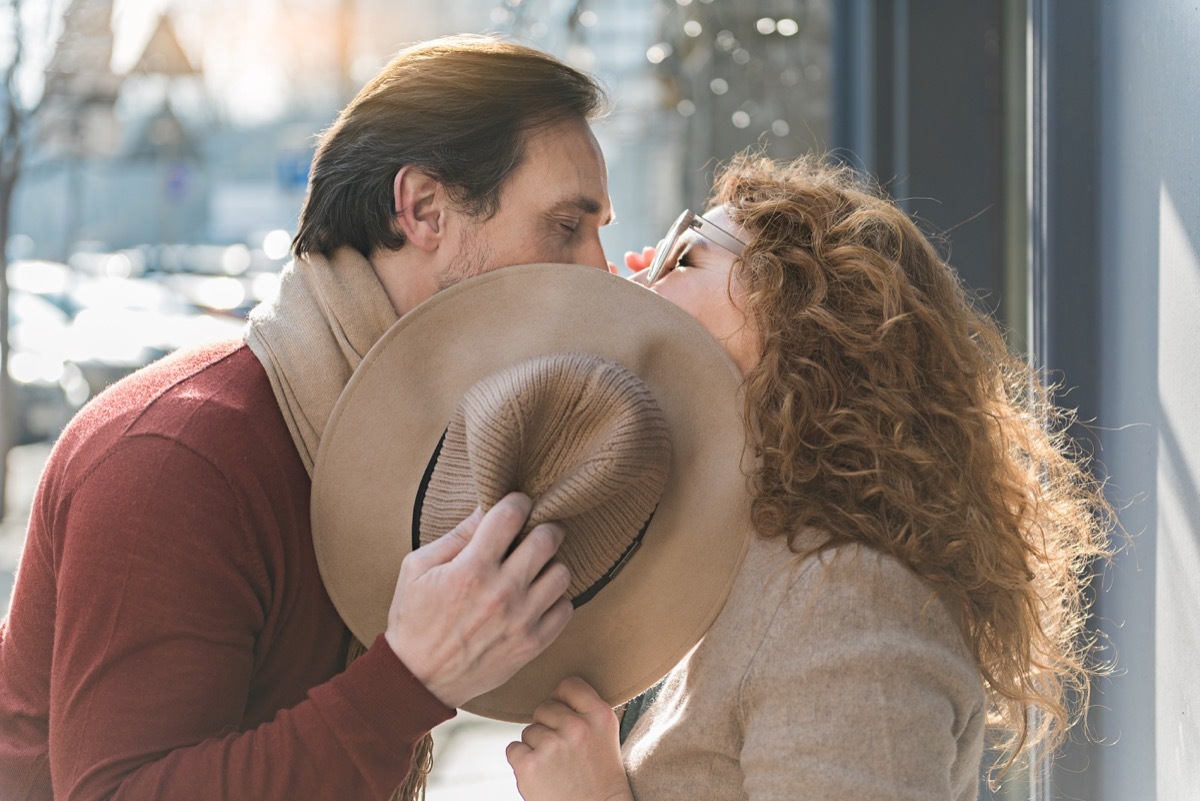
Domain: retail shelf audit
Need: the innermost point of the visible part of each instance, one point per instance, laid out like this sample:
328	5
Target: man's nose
592	254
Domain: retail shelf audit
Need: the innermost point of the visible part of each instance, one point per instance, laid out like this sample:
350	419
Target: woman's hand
571	751
636	262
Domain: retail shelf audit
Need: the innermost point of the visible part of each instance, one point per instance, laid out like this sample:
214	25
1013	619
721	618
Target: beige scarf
310	339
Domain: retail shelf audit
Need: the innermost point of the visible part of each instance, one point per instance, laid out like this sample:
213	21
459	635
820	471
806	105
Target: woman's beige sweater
839	677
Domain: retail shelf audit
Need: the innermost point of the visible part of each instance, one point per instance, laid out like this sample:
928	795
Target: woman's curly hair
888	411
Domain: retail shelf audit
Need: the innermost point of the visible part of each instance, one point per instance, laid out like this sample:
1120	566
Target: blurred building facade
97	174
149	155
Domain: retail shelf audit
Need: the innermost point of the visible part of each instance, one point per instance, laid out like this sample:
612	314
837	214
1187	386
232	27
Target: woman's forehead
720	216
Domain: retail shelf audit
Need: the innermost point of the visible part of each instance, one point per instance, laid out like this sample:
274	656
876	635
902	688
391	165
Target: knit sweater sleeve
861	689
159	604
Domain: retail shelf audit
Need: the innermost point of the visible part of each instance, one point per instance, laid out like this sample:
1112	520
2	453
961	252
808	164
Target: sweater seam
126	434
239	501
750	663
149	404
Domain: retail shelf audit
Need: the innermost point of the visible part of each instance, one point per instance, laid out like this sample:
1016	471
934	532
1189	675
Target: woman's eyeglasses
670	249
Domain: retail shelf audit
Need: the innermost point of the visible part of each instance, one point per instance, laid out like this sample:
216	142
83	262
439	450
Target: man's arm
162	594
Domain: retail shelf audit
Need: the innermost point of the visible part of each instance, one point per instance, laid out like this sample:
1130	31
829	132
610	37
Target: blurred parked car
50	280
122	324
47	388
225	280
74	332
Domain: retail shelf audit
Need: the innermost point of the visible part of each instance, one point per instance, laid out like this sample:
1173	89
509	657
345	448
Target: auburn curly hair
888	411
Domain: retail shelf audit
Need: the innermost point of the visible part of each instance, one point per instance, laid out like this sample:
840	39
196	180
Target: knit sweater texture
169	634
840	676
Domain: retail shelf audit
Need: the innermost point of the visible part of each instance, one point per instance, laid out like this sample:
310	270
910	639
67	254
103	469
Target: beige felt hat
612	408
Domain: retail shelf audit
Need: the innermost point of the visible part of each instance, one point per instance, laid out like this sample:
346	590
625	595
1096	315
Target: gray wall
1149	380
1116	318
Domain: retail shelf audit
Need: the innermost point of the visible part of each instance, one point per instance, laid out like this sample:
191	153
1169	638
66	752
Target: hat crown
582	436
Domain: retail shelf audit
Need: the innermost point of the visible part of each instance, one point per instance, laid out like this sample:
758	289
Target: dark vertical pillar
853	82
918	104
1066	173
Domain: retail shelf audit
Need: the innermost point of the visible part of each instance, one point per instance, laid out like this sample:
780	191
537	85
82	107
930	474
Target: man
169	634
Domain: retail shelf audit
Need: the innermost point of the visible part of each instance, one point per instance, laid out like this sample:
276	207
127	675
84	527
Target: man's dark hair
457	108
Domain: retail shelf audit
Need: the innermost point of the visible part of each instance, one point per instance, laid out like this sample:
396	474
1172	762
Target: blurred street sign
179	181
292	169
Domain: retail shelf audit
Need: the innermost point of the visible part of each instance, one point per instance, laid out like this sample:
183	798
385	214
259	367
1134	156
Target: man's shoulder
215	400
195	394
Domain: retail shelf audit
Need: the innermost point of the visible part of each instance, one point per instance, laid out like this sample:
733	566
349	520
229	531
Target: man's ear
420	206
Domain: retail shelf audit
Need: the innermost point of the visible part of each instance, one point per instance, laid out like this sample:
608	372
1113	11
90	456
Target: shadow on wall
1177	525
1146	718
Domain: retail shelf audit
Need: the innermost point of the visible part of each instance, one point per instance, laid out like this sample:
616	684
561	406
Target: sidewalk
469	761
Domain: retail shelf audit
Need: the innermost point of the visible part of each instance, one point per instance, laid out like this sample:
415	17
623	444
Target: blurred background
154	155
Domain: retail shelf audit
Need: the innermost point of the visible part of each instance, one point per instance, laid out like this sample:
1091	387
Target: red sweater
169	635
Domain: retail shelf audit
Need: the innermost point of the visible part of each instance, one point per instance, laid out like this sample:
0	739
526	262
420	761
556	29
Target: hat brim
388	420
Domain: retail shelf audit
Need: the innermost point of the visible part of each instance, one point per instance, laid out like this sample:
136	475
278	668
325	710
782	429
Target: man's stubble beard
474	259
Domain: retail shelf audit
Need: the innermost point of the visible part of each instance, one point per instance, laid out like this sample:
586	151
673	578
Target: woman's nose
640	277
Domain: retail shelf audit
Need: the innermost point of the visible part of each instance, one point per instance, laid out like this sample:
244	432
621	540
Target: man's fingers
446	547
499	527
551	624
547	589
639	261
529	558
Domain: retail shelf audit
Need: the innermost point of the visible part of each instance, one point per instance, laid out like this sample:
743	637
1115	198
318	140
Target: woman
924	531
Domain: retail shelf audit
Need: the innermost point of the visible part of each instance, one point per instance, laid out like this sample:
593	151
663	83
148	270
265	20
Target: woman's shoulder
852	596
870	582
864	671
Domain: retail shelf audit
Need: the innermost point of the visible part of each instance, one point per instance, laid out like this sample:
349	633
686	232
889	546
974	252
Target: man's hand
464	618
571	751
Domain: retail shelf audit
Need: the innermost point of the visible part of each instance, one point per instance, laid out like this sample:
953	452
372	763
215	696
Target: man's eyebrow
587	205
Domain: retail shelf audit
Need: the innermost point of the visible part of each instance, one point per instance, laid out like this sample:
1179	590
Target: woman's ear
420	204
